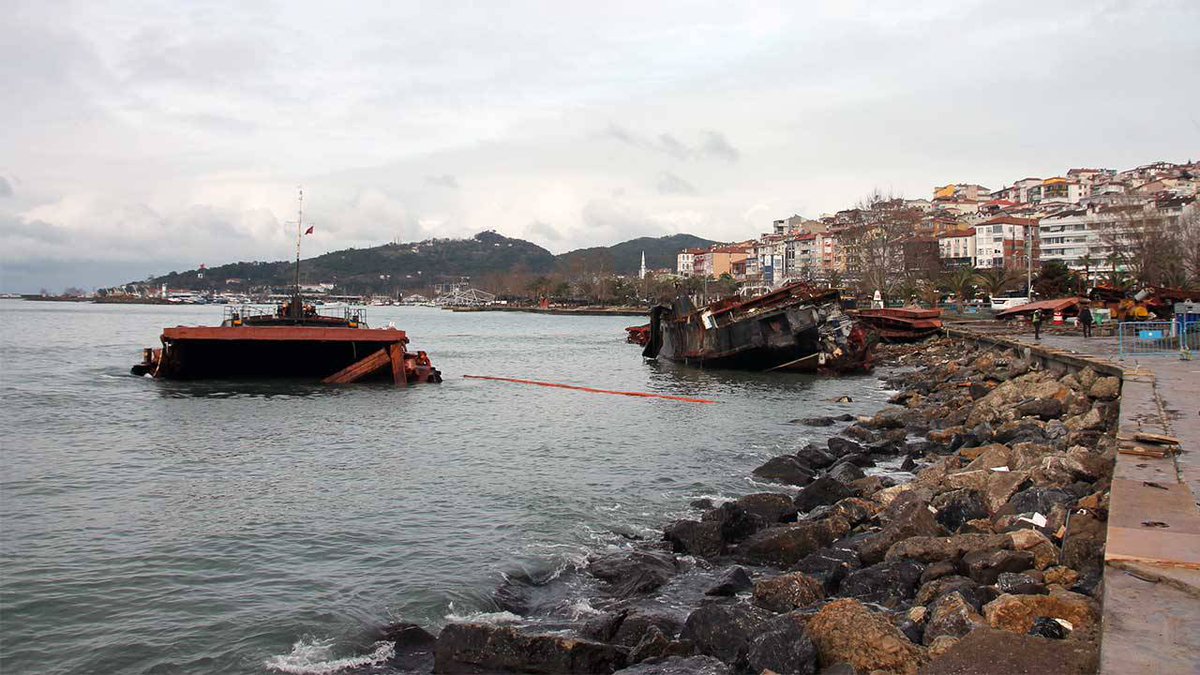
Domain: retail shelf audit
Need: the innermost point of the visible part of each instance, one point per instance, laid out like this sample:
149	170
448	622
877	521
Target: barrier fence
1157	338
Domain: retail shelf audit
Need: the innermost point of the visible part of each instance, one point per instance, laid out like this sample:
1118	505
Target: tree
1055	280
961	283
996	280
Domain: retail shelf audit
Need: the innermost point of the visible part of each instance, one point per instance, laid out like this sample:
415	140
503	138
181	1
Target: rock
829	566
985	567
771	507
786	545
957	507
1082	380
860	433
933	549
1049	628
840	447
973	593
1083	546
951	616
1036	500
941	645
783	647
908	464
735	580
853	510
787	592
1092	420
724	630
736	522
653	645
911	520
937	570
1001	486
987	651
1018	613
472	648
784	469
845	472
815	421
815	457
822	491
695	537
970	480
1105	388
1019	584
1045	409
703	503
1045	553
888	583
680	665
1060	576
638	622
845	631
633	572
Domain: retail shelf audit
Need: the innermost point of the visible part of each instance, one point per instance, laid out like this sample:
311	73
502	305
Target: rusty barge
901	324
794	328
291	341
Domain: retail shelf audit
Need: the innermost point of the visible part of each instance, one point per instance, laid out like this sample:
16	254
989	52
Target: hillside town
1096	226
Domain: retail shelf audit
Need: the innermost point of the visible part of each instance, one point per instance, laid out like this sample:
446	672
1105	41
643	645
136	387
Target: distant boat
794	328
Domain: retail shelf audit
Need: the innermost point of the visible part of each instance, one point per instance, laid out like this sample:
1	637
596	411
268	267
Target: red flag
310	229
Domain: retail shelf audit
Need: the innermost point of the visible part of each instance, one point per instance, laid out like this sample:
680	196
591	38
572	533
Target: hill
626	257
411	265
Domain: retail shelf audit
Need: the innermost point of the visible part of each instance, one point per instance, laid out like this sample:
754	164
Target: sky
142	137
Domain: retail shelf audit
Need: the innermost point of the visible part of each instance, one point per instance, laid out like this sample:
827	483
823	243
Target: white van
1001	303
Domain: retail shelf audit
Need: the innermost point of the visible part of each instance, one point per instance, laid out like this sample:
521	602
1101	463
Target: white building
957	248
684	261
1000	242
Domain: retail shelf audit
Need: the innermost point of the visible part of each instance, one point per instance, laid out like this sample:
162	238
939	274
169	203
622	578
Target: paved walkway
1152	556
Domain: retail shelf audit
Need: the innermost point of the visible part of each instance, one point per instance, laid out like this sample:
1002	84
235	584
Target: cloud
716	145
670	184
445	180
539	231
6	189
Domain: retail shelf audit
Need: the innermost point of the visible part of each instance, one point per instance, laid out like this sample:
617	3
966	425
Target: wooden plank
1159	439
284	334
359	369
396	356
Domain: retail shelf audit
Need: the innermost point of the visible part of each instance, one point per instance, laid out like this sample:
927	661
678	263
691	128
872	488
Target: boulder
1045	553
1019	584
1018	613
680	665
633	572
822	491
815	457
784	469
860	433
473	648
992	651
845	472
985	567
638	622
1083	545
973	593
771	507
829	566
853	510
911	520
939	569
1105	388
1091	420
1036	499
815	421
1060	575
845	631
952	616
724	630
736	522
1001	486
787	592
956	507
888	583
933	549
840	447
1045	409
783	647
733	581
786	545
695	537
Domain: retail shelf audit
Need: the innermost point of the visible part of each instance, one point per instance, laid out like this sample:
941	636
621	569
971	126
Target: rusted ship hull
269	352
794	328
901	324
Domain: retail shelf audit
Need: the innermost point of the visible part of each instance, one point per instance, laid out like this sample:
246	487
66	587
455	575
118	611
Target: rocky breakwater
978	549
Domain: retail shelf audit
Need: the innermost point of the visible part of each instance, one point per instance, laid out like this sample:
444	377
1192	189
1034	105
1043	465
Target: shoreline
578	311
989	556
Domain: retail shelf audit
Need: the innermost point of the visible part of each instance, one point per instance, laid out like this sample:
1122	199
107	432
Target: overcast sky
139	137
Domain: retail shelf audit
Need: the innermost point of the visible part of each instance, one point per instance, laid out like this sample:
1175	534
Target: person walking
1037	324
1085	320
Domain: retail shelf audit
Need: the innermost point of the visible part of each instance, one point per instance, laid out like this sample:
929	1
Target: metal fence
1157	338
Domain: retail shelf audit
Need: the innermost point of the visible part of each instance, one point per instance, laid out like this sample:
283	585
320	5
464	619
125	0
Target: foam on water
316	657
482	617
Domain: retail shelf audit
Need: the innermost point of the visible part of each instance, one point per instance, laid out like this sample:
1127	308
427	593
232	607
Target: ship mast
299	236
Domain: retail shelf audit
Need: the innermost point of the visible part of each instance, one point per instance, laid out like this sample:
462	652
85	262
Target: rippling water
215	527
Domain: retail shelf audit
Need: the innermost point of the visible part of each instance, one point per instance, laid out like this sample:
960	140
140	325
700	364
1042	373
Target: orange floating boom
638	394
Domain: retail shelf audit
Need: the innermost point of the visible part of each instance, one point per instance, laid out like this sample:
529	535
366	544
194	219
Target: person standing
1085	320
1037	324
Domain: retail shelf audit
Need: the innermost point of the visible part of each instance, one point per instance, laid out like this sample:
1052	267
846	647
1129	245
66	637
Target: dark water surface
215	527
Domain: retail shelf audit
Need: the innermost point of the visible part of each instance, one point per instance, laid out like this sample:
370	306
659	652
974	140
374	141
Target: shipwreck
794	328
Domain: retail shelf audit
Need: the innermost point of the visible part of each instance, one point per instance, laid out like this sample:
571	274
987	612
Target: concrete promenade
1152	556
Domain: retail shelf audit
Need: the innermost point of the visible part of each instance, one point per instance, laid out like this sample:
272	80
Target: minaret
642	272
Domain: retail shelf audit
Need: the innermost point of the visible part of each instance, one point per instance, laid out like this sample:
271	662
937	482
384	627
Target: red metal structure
901	324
